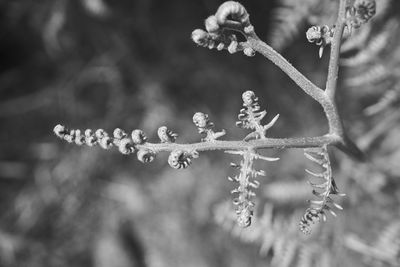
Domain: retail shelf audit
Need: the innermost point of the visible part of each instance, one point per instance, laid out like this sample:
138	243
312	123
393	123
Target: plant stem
333	70
278	143
267	51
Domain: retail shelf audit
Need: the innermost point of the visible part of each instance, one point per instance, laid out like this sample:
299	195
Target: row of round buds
320	35
204	126
146	155
166	135
179	159
221	41
99	137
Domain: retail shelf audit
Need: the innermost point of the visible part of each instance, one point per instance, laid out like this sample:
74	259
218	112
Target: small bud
91	140
200	120
314	34
106	142
200	37
145	155
220	46
126	146
234	10
233	47
60	130
79	138
138	137
119	133
88	132
165	135
179	159
100	133
249	98
69	138
248	51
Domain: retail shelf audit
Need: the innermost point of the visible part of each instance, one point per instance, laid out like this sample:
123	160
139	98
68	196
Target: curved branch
267	51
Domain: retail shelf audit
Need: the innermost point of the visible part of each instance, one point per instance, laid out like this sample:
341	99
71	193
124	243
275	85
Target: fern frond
390	97
374	74
321	189
245	184
390	237
250	117
288	20
376	45
385	250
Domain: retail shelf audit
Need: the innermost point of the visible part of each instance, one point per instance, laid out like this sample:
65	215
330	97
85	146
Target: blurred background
131	64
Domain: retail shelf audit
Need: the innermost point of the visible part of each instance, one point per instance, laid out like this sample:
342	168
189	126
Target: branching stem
325	98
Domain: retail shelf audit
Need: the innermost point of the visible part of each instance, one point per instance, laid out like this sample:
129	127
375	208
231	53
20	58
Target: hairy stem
278	143
267	51
333	70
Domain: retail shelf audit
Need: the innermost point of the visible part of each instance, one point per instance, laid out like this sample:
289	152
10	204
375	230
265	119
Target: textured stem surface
279	143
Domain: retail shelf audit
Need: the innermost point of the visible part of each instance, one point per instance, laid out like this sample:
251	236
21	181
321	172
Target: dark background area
131	64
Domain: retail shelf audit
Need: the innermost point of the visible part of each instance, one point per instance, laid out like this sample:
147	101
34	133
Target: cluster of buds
250	117
126	144
321	36
356	15
99	137
230	16
136	142
205	126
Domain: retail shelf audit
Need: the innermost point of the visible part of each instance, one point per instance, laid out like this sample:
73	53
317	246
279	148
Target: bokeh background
131	64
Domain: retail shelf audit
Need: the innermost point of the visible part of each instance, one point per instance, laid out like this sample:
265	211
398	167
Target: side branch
267	51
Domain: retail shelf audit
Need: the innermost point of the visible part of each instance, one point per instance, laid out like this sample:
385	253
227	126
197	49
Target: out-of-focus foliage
131	64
